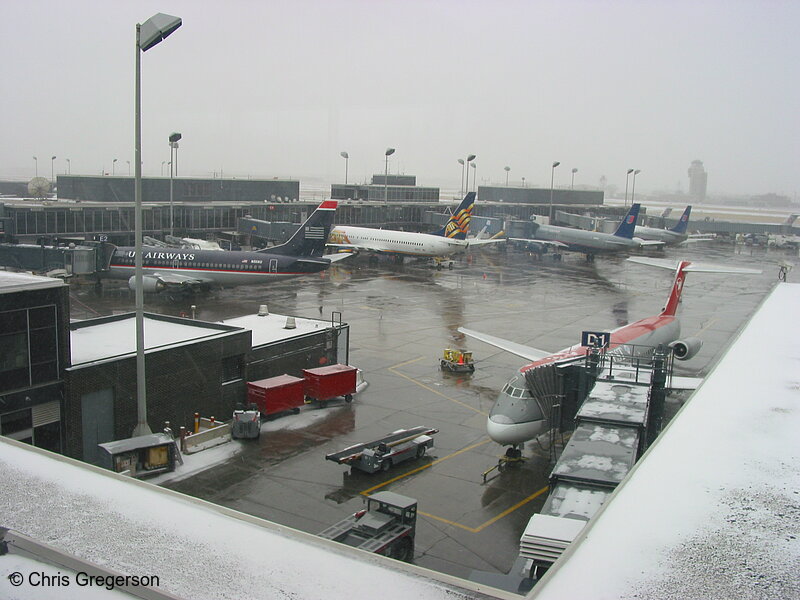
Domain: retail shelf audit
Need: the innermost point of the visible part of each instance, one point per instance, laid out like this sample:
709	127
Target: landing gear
590	258
512	458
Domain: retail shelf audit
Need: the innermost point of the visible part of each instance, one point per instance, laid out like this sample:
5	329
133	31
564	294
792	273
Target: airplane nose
501	430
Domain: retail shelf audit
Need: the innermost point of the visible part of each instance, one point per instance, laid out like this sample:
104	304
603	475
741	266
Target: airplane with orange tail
518	415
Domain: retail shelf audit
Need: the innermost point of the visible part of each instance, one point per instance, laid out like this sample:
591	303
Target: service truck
386	526
381	454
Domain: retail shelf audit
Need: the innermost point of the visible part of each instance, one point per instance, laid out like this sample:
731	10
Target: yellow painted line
710	323
448	521
423	467
430	389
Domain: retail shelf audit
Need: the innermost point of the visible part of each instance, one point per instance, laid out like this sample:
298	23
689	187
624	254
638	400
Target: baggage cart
276	394
326	383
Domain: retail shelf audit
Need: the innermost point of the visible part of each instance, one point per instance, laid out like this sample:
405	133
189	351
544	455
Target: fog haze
268	89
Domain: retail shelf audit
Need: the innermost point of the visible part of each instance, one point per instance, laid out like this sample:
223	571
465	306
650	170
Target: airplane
450	239
670	237
589	243
518	416
189	270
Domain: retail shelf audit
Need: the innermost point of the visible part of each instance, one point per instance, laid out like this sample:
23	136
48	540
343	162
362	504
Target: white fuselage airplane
450	239
517	416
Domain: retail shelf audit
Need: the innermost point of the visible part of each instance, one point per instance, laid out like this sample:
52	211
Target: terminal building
386	188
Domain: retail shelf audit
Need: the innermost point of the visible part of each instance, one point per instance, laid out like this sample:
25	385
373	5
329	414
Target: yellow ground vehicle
457	361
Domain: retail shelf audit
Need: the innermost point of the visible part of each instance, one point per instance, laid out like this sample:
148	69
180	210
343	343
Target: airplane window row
196	265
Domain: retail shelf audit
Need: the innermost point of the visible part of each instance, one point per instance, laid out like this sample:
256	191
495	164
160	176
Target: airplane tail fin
458	225
674	298
628	224
683	223
682	268
790	220
310	237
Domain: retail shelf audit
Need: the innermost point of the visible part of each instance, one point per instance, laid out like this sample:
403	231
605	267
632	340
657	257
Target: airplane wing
525	352
552	243
648	243
665	263
484	241
174	281
338	256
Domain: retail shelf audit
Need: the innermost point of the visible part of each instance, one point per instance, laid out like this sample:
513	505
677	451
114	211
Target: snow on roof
272	328
106	338
197	550
17	282
713	508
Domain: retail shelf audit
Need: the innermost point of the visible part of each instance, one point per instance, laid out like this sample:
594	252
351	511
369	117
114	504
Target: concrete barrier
206	438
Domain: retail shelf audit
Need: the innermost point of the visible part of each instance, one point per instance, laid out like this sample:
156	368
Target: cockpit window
517	403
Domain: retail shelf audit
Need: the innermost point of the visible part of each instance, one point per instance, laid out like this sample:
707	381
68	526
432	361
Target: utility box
325	383
277	394
140	456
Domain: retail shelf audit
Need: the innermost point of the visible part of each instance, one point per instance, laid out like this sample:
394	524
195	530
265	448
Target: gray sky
278	89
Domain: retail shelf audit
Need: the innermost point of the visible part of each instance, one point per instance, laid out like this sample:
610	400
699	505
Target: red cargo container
276	394
325	383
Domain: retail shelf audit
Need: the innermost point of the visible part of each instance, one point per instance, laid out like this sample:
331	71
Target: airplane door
273	265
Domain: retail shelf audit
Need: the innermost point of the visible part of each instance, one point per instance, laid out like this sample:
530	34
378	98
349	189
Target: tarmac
401	319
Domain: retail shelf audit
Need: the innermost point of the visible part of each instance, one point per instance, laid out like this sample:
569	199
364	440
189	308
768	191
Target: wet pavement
402	317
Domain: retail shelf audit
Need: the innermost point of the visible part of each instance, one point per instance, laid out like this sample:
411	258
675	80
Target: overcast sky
278	89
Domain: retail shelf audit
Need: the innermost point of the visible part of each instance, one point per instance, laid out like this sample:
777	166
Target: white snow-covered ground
712	510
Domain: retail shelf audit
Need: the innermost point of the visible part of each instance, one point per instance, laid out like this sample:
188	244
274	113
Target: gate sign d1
596	339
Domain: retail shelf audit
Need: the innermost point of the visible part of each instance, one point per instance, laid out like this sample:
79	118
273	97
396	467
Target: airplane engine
686	349
150	284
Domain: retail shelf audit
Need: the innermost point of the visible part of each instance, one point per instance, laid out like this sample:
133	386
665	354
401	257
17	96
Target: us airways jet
186	270
670	237
520	414
450	239
590	243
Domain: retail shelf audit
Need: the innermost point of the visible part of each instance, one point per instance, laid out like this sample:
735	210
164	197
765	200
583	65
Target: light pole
69	167
163	162
113	166
148	34
36	166
52	169
346	158
506	169
633	187
523	182
174	138
461	189
474	176
552	176
572	183
627	176
387	154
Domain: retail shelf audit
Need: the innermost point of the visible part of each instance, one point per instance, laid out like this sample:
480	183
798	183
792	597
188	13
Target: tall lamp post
113	166
572	183
148	34
506	169
346	158
474	176
552	177
461	189
36	166
173	145
627	176
633	187
387	154
69	167
53	169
